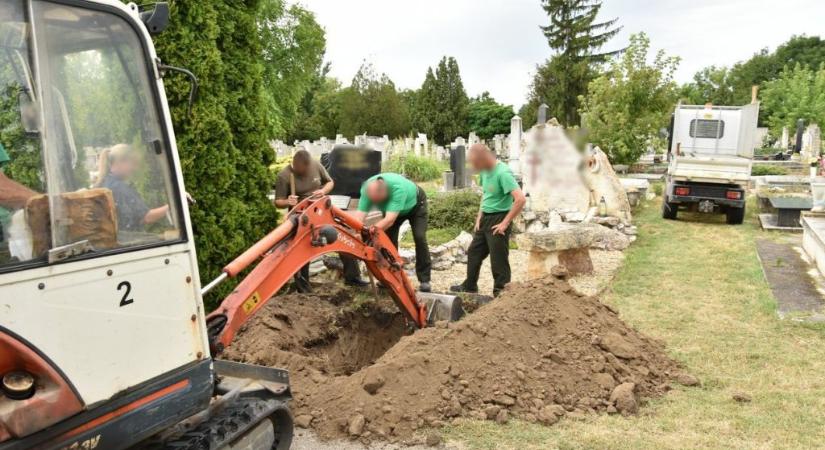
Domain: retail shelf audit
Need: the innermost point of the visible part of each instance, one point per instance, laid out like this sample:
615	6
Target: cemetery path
792	284
697	284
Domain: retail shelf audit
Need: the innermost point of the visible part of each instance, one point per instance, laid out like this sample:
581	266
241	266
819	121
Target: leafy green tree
628	105
798	93
293	52
319	113
224	154
488	118
372	105
576	38
807	51
711	84
441	105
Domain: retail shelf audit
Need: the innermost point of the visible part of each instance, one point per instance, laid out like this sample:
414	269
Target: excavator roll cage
313	228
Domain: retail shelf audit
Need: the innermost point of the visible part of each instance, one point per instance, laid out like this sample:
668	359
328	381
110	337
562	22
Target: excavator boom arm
314	228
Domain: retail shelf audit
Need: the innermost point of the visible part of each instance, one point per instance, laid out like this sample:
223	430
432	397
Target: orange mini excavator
313	228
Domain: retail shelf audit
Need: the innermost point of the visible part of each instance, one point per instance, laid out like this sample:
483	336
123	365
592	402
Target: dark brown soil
538	352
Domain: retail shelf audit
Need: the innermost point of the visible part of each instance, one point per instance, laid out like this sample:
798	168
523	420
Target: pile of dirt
538	352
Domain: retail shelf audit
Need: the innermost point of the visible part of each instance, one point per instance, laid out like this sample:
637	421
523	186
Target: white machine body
108	318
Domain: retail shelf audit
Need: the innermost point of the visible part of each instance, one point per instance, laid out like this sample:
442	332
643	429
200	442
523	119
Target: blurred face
300	167
125	166
377	192
481	159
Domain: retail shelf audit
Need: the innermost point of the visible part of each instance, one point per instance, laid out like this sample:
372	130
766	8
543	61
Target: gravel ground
306	440
605	264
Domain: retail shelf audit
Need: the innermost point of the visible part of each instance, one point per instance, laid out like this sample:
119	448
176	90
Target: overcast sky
498	42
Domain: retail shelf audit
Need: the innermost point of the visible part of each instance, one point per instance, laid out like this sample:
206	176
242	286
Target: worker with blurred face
502	200
117	167
302	179
399	200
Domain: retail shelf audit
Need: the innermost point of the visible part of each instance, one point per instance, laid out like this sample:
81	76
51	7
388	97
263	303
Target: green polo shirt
402	194
497	183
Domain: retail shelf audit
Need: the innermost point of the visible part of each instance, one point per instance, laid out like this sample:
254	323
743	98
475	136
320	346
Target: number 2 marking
125	300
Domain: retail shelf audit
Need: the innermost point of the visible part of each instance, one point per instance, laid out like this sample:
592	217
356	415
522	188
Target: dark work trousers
484	244
418	218
351	272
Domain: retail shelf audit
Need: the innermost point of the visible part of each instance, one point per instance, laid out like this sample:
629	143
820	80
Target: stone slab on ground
787	274
770	222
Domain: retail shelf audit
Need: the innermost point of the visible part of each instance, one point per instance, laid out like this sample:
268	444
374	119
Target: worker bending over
501	201
399	199
302	179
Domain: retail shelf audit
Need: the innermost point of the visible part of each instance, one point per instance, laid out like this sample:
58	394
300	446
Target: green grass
435	236
696	285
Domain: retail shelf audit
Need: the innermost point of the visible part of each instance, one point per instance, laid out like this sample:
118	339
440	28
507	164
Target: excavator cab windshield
86	163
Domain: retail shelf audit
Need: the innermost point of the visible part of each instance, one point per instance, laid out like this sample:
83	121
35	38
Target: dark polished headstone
458	165
349	166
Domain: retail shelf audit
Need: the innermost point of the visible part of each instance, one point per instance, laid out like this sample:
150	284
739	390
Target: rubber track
224	427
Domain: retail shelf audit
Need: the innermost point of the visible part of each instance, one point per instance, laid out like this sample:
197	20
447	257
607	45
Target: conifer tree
576	37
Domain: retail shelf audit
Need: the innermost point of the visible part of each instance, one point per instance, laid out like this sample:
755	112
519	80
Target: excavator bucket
441	307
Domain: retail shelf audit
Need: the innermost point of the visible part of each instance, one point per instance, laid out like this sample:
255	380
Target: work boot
462	288
357	282
302	288
425	286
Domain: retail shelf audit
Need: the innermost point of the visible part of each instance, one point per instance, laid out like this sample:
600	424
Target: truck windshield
86	168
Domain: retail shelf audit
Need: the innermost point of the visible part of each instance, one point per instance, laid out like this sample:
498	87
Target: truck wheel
735	216
669	210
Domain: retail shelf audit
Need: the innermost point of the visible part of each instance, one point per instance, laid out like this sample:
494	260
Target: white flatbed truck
710	156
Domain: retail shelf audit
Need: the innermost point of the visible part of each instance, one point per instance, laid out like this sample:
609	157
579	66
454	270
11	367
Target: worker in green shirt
399	199
501	202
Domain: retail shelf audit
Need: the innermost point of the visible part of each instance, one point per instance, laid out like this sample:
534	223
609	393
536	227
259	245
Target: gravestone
458	165
551	171
542	116
784	141
812	142
800	128
472	139
349	166
514	149
449	180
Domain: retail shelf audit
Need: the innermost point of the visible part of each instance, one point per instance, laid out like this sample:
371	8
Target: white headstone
812	142
785	140
516	132
473	139
550	167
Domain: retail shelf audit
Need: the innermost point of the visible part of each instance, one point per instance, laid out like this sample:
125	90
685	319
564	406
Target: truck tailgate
710	169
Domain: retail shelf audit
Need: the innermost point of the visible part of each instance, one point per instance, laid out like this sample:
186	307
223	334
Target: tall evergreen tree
441	105
372	105
577	39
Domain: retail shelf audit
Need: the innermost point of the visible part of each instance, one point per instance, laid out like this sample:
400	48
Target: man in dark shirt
131	209
309	178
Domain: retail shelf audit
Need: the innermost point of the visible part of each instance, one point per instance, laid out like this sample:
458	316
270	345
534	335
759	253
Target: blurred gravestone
349	166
